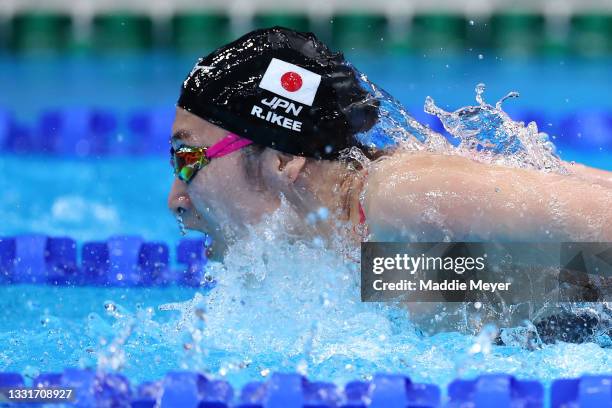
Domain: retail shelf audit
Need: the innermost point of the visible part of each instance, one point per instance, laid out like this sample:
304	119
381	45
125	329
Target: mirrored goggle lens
186	173
187	162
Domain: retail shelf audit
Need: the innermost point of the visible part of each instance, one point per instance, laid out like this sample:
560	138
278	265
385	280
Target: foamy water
282	304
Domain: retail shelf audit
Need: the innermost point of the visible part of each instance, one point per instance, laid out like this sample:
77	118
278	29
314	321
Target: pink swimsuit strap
362	216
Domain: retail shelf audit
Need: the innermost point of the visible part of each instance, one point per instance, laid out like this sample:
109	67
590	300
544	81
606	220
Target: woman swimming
276	115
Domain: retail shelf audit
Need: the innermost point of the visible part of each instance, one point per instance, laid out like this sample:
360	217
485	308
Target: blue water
554	84
278	306
87	199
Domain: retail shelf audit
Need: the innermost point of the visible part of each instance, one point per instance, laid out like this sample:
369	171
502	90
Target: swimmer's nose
178	199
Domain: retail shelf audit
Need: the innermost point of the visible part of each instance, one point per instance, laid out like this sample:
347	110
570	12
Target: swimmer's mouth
189	220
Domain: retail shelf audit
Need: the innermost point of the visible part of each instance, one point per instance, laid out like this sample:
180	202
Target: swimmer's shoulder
403	162
403	189
406	170
393	183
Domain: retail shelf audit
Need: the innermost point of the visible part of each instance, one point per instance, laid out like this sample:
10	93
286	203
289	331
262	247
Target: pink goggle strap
228	144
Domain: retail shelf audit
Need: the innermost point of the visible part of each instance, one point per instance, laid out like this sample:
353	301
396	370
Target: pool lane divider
119	261
187	389
95	132
89	132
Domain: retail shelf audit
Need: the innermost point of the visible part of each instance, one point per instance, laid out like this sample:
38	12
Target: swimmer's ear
280	168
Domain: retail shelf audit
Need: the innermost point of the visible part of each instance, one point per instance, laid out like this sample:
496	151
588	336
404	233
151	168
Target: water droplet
480	56
302	367
311	218
480	88
323	213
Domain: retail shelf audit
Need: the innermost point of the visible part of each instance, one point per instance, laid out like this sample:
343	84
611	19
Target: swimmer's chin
197	227
202	230
219	244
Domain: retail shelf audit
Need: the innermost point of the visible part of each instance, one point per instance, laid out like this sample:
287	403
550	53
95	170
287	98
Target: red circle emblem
291	81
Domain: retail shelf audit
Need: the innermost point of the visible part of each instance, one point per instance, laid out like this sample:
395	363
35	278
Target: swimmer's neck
337	189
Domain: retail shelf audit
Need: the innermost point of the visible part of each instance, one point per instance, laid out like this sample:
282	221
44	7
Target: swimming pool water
278	306
86	199
315	326
555	84
552	88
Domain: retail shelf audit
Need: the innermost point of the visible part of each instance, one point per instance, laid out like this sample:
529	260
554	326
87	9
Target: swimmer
270	116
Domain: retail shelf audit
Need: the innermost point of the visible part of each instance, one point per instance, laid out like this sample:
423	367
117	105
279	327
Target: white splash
497	138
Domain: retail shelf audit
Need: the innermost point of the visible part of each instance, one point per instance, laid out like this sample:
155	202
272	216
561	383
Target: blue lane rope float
588	130
152	125
76	131
87	132
495	390
120	261
586	392
187	389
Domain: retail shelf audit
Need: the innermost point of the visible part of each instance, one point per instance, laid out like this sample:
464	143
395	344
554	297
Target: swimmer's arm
590	174
434	197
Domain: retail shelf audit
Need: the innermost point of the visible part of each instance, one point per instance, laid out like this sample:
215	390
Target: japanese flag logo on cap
290	81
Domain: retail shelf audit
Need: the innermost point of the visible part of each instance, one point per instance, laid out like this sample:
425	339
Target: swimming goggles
188	160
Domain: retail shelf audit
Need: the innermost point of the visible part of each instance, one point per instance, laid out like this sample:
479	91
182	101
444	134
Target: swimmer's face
220	199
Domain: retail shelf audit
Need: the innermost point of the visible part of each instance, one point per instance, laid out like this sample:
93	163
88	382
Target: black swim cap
282	89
